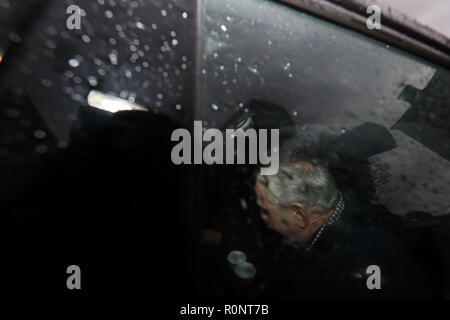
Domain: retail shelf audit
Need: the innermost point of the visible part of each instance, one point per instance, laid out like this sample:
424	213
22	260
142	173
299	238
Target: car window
332	80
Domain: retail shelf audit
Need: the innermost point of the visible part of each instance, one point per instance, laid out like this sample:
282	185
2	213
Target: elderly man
334	244
299	202
330	245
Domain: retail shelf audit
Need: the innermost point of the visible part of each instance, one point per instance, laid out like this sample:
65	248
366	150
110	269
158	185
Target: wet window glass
88	115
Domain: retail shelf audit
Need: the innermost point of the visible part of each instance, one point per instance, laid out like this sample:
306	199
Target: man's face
276	219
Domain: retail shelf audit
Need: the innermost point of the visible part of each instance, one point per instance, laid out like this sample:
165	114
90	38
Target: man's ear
298	210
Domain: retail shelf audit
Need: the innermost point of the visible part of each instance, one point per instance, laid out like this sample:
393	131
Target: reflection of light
111	103
245	270
1	55
236	257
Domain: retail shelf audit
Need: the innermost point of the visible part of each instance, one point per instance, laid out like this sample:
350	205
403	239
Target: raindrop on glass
74	63
140	25
62	144
14	37
93	81
113	58
51	44
40	134
46	83
42	148
109	14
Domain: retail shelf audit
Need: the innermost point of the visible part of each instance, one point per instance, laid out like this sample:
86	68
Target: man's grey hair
306	182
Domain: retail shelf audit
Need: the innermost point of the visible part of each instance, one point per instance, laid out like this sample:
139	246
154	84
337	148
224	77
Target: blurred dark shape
259	114
24	138
427	237
112	203
426	121
364	141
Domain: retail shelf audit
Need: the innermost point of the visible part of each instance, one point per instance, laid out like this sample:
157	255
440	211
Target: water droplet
62	144
77	80
74	63
123	94
51	44
14	37
109	14
295	113
224	28
46	83
214	107
163	12
253	69
85	38
93	81
140	25
184	15
287	66
178	107
40	134
236	257
113	58
160	96
42	148
243	204
4	4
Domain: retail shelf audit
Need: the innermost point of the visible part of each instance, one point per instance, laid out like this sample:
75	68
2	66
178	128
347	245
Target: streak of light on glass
111	103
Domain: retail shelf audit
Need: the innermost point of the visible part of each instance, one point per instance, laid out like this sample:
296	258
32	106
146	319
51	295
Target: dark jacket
336	268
